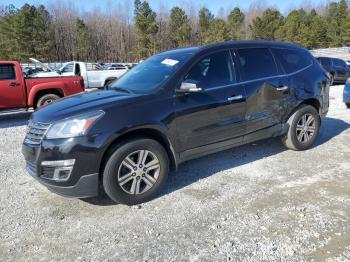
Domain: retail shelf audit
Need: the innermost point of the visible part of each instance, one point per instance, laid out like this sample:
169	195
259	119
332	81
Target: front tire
304	127
136	171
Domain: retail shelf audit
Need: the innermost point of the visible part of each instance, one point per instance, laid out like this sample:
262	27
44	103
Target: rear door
215	117
265	85
12	91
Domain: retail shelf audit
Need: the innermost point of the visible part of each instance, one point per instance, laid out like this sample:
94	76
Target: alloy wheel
306	128
138	172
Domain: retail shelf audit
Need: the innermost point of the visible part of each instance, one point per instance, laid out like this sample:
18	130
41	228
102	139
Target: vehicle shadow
195	170
330	128
14	120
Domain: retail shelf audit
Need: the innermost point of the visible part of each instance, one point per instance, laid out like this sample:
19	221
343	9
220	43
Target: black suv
338	69
176	106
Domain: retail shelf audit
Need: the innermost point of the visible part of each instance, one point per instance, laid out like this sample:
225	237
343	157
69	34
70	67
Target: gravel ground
256	202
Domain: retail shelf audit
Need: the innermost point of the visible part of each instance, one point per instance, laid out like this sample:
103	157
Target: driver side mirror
59	72
189	87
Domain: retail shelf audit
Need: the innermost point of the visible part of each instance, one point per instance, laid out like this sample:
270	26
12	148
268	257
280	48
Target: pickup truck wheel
46	99
304	127
136	171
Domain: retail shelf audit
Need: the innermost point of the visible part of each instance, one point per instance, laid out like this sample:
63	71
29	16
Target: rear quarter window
292	60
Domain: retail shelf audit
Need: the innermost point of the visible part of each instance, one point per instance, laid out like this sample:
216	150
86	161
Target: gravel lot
255	202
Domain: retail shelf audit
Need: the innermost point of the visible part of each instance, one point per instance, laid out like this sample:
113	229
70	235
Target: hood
82	103
41	64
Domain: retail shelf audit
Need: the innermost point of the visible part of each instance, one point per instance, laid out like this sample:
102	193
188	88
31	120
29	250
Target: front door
215	117
12	93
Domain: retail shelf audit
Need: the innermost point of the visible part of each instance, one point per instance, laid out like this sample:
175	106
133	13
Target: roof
245	43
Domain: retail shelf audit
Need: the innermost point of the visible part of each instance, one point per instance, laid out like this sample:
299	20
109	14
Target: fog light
59	170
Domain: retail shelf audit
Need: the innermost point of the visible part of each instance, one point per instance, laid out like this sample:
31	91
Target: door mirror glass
189	87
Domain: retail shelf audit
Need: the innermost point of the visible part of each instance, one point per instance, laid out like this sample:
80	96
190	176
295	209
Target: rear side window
256	63
292	60
213	71
68	68
7	72
338	62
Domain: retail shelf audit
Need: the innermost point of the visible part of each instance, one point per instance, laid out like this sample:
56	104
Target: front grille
36	132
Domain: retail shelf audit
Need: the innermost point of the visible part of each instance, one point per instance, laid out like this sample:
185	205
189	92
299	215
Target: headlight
74	126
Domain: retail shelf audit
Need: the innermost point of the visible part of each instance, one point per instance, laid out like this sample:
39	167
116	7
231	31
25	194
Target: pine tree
346	26
205	18
25	32
265	27
218	31
236	24
179	28
147	28
82	41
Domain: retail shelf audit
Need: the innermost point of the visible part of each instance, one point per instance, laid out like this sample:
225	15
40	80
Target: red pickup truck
19	92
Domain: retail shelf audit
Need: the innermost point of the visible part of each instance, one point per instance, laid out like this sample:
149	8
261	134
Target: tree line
128	33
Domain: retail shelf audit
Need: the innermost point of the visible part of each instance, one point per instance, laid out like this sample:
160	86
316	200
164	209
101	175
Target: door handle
235	98
282	88
14	84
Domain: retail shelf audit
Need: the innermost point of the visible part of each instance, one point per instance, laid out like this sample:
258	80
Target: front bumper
84	178
85	187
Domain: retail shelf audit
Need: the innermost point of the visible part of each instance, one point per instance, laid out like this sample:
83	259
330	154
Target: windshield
152	73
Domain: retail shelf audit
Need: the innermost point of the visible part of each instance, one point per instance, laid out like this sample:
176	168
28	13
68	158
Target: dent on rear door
266	105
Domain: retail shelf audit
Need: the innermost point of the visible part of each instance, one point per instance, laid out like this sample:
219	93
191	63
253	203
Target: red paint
22	92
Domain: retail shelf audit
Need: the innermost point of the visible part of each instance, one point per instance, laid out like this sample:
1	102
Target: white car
93	74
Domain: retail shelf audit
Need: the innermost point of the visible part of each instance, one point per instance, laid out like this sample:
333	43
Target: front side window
213	71
292	60
256	63
7	72
152	73
326	62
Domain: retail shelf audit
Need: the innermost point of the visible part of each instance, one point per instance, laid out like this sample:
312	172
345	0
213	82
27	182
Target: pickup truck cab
19	92
94	75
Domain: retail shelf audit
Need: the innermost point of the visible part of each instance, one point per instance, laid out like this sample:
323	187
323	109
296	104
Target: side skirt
274	131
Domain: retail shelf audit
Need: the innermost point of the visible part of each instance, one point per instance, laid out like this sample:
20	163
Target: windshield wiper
121	89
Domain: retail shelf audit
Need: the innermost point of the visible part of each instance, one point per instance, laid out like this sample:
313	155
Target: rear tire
136	171
46	99
304	127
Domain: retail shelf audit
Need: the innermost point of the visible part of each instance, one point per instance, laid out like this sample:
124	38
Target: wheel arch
43	92
109	79
314	102
144	132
